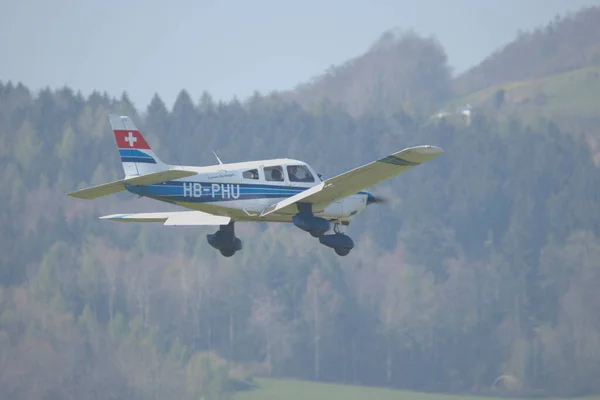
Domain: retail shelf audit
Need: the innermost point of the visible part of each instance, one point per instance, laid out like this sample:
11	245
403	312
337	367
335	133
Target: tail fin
136	155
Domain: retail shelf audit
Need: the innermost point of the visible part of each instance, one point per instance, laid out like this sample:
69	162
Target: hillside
571	96
565	44
550	72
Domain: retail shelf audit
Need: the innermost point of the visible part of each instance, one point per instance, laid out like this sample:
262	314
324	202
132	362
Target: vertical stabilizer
136	155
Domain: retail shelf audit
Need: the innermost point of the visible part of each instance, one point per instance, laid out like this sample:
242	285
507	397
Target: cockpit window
251	174
274	174
299	173
321	177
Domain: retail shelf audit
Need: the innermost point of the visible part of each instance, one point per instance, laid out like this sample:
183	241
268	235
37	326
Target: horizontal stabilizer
98	191
118	186
172	218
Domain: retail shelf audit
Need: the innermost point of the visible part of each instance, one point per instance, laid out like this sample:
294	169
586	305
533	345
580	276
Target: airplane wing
358	179
118	186
172	218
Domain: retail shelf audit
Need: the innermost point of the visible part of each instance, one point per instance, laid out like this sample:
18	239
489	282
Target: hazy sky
234	47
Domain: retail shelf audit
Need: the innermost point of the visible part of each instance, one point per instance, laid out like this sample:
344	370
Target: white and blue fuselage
243	190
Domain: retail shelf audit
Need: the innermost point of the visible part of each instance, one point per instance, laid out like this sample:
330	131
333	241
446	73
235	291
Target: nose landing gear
339	242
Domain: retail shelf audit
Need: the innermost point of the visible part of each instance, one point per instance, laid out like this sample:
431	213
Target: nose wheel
339	242
342	251
227	252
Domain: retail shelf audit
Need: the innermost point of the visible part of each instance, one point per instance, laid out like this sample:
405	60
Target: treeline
480	274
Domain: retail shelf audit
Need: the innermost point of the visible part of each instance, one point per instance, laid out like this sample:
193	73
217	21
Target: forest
479	276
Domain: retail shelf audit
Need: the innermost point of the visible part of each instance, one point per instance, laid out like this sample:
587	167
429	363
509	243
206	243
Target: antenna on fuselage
218	159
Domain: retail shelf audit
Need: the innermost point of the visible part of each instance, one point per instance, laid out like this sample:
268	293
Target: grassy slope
277	389
571	94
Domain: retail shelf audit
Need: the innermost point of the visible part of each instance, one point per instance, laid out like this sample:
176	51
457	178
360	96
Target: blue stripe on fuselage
203	192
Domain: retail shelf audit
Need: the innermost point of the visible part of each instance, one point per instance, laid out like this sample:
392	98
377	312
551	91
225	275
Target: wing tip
76	195
114	216
428	150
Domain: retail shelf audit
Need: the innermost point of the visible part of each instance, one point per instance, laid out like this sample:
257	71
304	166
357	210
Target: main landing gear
228	244
225	240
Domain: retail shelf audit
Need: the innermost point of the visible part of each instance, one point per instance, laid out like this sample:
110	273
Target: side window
274	174
250	174
299	173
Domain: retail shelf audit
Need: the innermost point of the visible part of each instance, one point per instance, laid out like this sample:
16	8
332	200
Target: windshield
321	177
299	173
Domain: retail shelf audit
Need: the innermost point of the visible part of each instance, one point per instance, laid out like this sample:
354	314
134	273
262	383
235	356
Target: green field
272	389
571	94
280	389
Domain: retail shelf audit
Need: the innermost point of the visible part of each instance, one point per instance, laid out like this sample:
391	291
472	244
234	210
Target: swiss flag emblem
130	140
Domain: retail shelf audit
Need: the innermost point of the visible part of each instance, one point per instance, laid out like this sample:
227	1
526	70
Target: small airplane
276	190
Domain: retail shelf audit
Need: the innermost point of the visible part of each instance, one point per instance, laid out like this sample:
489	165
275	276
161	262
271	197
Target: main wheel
227	252
342	251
